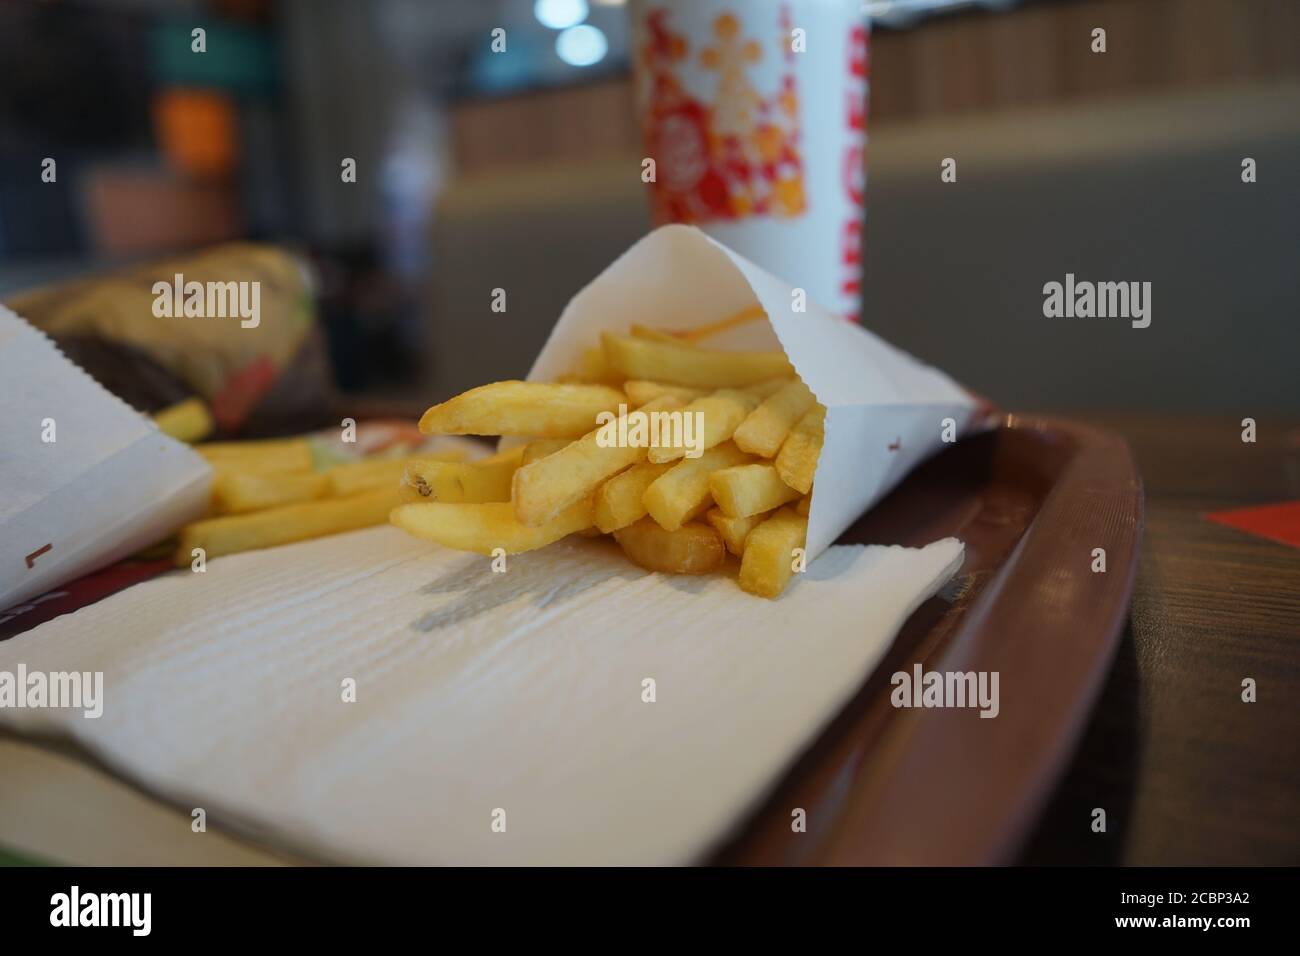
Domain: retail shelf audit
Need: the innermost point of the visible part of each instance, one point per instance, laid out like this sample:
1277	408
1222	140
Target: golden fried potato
258	457
593	368
484	527
530	409
766	427
187	421
606	450
682	493
719	414
768	387
691	549
654	335
274	526
541	448
796	463
686	365
734	531
461	482
618	501
546	487
768	561
700	332
640	391
237	492
745	490
353	476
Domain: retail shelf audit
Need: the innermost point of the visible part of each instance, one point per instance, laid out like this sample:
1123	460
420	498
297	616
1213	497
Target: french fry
768	562
682	364
766	389
187	421
461	482
734	531
618	501
237	492
354	476
541	448
691	549
768	425
532	409
796	462
682	493
548	486
745	490
583	471
549	446
283	525
593	368
655	335
639	392
720	413
701	332
484	527
262	457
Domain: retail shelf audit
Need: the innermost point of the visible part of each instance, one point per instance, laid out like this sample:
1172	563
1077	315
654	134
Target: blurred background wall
477	171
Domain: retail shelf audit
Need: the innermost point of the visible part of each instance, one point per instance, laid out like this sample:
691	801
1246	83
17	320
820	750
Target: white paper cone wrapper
108	484
885	410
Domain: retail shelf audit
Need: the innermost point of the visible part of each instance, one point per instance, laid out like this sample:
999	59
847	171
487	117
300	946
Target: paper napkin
499	718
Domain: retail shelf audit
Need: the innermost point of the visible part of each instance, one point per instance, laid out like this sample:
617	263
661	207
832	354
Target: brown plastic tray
1030	500
884	785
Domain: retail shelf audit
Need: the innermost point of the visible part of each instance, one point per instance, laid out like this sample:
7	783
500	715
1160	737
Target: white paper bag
886	412
84	478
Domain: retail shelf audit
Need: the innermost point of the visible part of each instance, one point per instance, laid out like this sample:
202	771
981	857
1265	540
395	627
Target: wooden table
1187	772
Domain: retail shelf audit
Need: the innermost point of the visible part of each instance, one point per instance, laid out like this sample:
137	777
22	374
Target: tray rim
876	818
854	844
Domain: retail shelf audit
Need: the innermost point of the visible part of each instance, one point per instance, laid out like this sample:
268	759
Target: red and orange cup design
755	114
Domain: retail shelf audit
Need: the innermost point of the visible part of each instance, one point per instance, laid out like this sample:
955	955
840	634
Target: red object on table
77	594
1280	522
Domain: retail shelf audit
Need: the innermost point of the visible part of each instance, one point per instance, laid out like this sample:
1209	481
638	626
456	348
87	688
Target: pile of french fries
267	493
747	494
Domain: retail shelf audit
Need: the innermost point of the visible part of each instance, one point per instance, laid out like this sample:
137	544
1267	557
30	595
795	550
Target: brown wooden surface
1187	772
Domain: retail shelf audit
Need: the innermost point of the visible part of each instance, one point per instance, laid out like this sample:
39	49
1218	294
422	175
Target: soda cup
754	113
